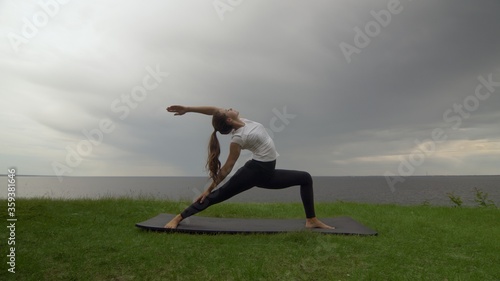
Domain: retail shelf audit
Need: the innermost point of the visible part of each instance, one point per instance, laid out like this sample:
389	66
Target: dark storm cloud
356	117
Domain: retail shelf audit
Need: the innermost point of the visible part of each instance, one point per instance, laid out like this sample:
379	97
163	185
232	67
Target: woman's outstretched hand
178	109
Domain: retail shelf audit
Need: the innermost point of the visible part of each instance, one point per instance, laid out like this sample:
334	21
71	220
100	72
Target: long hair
213	164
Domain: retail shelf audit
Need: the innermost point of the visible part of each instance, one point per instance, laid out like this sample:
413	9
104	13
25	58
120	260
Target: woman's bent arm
234	154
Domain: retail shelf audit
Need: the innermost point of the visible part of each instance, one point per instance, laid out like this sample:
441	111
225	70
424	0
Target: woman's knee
306	178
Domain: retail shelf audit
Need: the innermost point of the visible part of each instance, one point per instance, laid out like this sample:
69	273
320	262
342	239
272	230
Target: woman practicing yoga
260	171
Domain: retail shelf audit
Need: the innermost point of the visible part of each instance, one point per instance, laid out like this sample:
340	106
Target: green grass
97	240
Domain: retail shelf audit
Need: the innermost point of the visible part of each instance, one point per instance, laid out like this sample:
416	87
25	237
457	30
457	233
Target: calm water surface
414	190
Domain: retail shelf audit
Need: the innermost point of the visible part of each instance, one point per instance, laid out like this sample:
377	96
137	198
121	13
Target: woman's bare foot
315	223
174	222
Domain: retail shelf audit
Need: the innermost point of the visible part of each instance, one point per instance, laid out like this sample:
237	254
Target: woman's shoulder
246	120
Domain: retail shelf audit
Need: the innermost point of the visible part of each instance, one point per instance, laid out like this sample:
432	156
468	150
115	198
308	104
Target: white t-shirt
254	137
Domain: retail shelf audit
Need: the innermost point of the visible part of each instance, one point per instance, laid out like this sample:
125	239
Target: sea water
433	190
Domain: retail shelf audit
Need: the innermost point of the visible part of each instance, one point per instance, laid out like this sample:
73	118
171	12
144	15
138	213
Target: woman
260	171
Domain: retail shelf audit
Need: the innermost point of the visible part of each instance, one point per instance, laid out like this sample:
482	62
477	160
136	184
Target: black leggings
261	174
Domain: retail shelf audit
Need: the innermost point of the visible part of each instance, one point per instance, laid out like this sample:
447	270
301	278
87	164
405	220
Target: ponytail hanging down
213	163
220	125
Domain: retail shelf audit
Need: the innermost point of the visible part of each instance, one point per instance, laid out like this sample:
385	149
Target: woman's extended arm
180	110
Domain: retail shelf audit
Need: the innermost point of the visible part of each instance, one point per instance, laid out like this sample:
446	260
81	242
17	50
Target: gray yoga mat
211	225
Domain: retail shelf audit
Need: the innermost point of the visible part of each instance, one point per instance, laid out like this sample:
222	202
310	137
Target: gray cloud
358	118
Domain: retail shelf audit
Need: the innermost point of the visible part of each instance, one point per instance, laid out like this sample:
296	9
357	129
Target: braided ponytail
213	164
219	122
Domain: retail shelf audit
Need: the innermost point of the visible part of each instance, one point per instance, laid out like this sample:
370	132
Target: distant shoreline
415	190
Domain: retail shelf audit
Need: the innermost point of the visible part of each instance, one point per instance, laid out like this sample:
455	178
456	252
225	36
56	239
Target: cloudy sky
345	87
